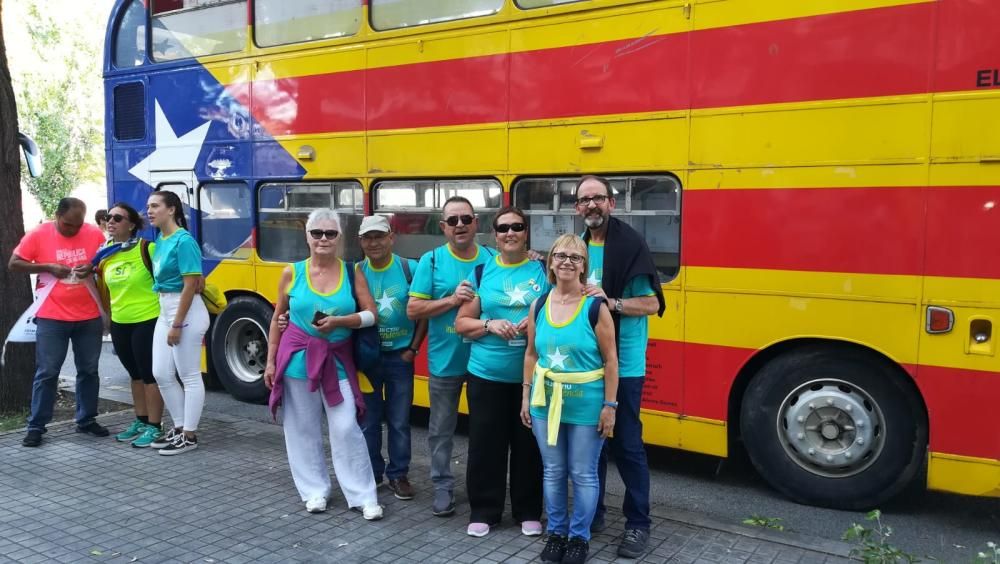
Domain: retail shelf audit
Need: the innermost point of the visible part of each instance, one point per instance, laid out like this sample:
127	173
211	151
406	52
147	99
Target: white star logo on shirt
385	302
557	360
517	295
592	279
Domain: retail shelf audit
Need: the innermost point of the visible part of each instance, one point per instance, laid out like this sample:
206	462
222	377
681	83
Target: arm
274	333
467	322
530	360
188	293
638	307
606	341
352	320
18	264
424	308
419	332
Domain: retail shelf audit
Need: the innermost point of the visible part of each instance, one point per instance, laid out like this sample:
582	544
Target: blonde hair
572	242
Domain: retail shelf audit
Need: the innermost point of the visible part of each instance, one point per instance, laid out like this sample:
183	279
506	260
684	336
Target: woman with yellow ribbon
570	386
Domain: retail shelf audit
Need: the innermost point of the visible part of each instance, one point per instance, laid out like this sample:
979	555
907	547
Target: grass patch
11	421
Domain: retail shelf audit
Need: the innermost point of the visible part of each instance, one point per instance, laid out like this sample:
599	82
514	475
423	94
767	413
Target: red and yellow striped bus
818	182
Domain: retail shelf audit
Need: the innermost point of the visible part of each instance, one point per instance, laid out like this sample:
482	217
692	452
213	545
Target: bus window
650	204
542	3
414	209
130	37
226	220
392	14
284	209
279	22
196	28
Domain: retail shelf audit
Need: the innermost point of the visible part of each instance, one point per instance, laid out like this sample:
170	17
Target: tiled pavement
81	499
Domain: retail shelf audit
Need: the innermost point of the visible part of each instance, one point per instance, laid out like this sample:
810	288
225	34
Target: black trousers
495	430
134	344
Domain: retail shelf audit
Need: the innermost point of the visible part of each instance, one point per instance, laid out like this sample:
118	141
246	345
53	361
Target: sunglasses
318	234
453	220
116	217
505	227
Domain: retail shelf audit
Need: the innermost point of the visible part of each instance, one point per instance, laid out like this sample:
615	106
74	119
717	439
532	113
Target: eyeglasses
586	201
116	217
505	227
563	257
453	220
318	234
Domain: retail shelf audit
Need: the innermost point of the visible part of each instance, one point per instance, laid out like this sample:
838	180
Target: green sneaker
133	431
150	434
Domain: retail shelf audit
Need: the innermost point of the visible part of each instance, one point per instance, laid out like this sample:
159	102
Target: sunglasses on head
318	234
116	217
453	220
505	227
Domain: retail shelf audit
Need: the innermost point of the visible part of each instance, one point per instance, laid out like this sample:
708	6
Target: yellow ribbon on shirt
555	407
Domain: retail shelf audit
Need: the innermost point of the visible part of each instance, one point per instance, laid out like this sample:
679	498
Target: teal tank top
304	302
571	347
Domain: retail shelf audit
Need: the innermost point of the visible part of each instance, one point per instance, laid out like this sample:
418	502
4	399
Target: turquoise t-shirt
175	257
390	290
633	330
448	352
304	302
505	292
571	346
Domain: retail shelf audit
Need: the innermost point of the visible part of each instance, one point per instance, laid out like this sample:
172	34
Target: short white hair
322	214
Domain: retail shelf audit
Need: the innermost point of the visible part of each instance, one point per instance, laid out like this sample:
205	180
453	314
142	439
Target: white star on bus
557	360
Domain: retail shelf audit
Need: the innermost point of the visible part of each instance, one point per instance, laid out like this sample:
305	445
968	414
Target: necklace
565	298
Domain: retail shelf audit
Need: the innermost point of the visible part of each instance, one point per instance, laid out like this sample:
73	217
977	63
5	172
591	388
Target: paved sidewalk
81	499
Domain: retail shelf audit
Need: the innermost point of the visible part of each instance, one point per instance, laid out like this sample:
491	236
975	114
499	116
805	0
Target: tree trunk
15	289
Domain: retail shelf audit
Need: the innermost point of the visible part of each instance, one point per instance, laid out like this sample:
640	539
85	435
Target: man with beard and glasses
439	287
622	273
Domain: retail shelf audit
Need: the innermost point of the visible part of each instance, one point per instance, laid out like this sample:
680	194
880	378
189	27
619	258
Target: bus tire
239	348
834	427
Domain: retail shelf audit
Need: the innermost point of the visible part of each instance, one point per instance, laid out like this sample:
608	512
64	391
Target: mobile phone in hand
320	316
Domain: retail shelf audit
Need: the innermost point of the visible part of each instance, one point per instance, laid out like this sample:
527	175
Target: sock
143	418
154	423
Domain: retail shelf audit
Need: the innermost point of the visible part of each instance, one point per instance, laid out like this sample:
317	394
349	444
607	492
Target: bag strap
540	305
351	273
405	263
144	251
479	275
594	312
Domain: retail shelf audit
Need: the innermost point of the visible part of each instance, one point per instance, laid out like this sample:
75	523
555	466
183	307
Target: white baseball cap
374	223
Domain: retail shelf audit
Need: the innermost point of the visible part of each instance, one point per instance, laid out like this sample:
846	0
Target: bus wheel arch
830	423
239	347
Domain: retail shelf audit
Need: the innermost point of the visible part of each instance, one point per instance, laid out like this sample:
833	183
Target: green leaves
873	542
766	522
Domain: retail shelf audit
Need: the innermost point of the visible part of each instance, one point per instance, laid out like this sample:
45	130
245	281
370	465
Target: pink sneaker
531	528
478	530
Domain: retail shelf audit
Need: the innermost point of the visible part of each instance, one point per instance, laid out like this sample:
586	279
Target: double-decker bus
817	181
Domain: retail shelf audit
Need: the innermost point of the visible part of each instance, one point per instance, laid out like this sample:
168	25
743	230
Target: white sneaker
372	512
316	505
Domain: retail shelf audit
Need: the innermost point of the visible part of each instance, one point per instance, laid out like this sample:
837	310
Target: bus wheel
834	427
239	348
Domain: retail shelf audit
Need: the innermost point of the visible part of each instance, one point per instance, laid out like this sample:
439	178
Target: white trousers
303	415
183	359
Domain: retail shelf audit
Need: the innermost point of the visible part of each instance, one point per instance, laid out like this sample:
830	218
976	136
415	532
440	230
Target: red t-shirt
68	301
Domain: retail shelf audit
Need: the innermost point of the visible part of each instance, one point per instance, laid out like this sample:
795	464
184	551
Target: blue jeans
630	456
52	343
574	456
392	379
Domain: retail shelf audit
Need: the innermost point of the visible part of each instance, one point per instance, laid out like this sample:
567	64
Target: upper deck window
195	28
280	22
393	14
542	3
130	36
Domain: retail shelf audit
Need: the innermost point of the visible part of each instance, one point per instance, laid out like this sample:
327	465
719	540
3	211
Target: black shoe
598	525
93	428
554	549
576	551
32	439
634	543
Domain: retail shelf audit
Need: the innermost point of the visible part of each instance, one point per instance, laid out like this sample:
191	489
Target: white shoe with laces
180	445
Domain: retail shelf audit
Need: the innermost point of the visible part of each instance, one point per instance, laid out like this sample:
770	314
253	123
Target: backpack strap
594	312
144	251
351	272
405	263
540	305
479	275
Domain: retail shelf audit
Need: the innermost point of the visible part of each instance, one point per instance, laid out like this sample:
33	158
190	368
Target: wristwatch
414	350
619	305
486	325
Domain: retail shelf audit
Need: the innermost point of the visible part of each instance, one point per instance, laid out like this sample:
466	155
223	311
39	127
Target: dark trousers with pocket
496	431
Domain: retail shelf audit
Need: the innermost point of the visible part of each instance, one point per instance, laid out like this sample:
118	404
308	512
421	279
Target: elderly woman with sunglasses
570	385
496	322
310	367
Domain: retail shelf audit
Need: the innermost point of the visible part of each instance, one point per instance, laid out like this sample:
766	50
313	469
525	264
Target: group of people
551	354
146	294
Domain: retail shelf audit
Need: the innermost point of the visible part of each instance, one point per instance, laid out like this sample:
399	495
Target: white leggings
303	423
184	359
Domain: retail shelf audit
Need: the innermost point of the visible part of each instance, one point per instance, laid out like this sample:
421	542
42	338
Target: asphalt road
930	525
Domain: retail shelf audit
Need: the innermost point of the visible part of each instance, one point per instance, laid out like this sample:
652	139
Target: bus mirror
32	156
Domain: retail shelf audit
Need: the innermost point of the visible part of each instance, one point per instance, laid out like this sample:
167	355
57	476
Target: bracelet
486	325
526	385
611	404
181	326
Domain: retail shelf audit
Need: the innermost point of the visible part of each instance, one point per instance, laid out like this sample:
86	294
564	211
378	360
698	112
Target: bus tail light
940	320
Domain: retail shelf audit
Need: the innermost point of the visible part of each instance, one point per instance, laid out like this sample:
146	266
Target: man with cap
389	277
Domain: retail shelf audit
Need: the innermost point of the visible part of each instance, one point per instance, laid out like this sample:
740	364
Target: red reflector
939	320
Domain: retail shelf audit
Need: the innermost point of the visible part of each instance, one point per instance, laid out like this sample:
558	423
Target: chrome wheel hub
246	350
